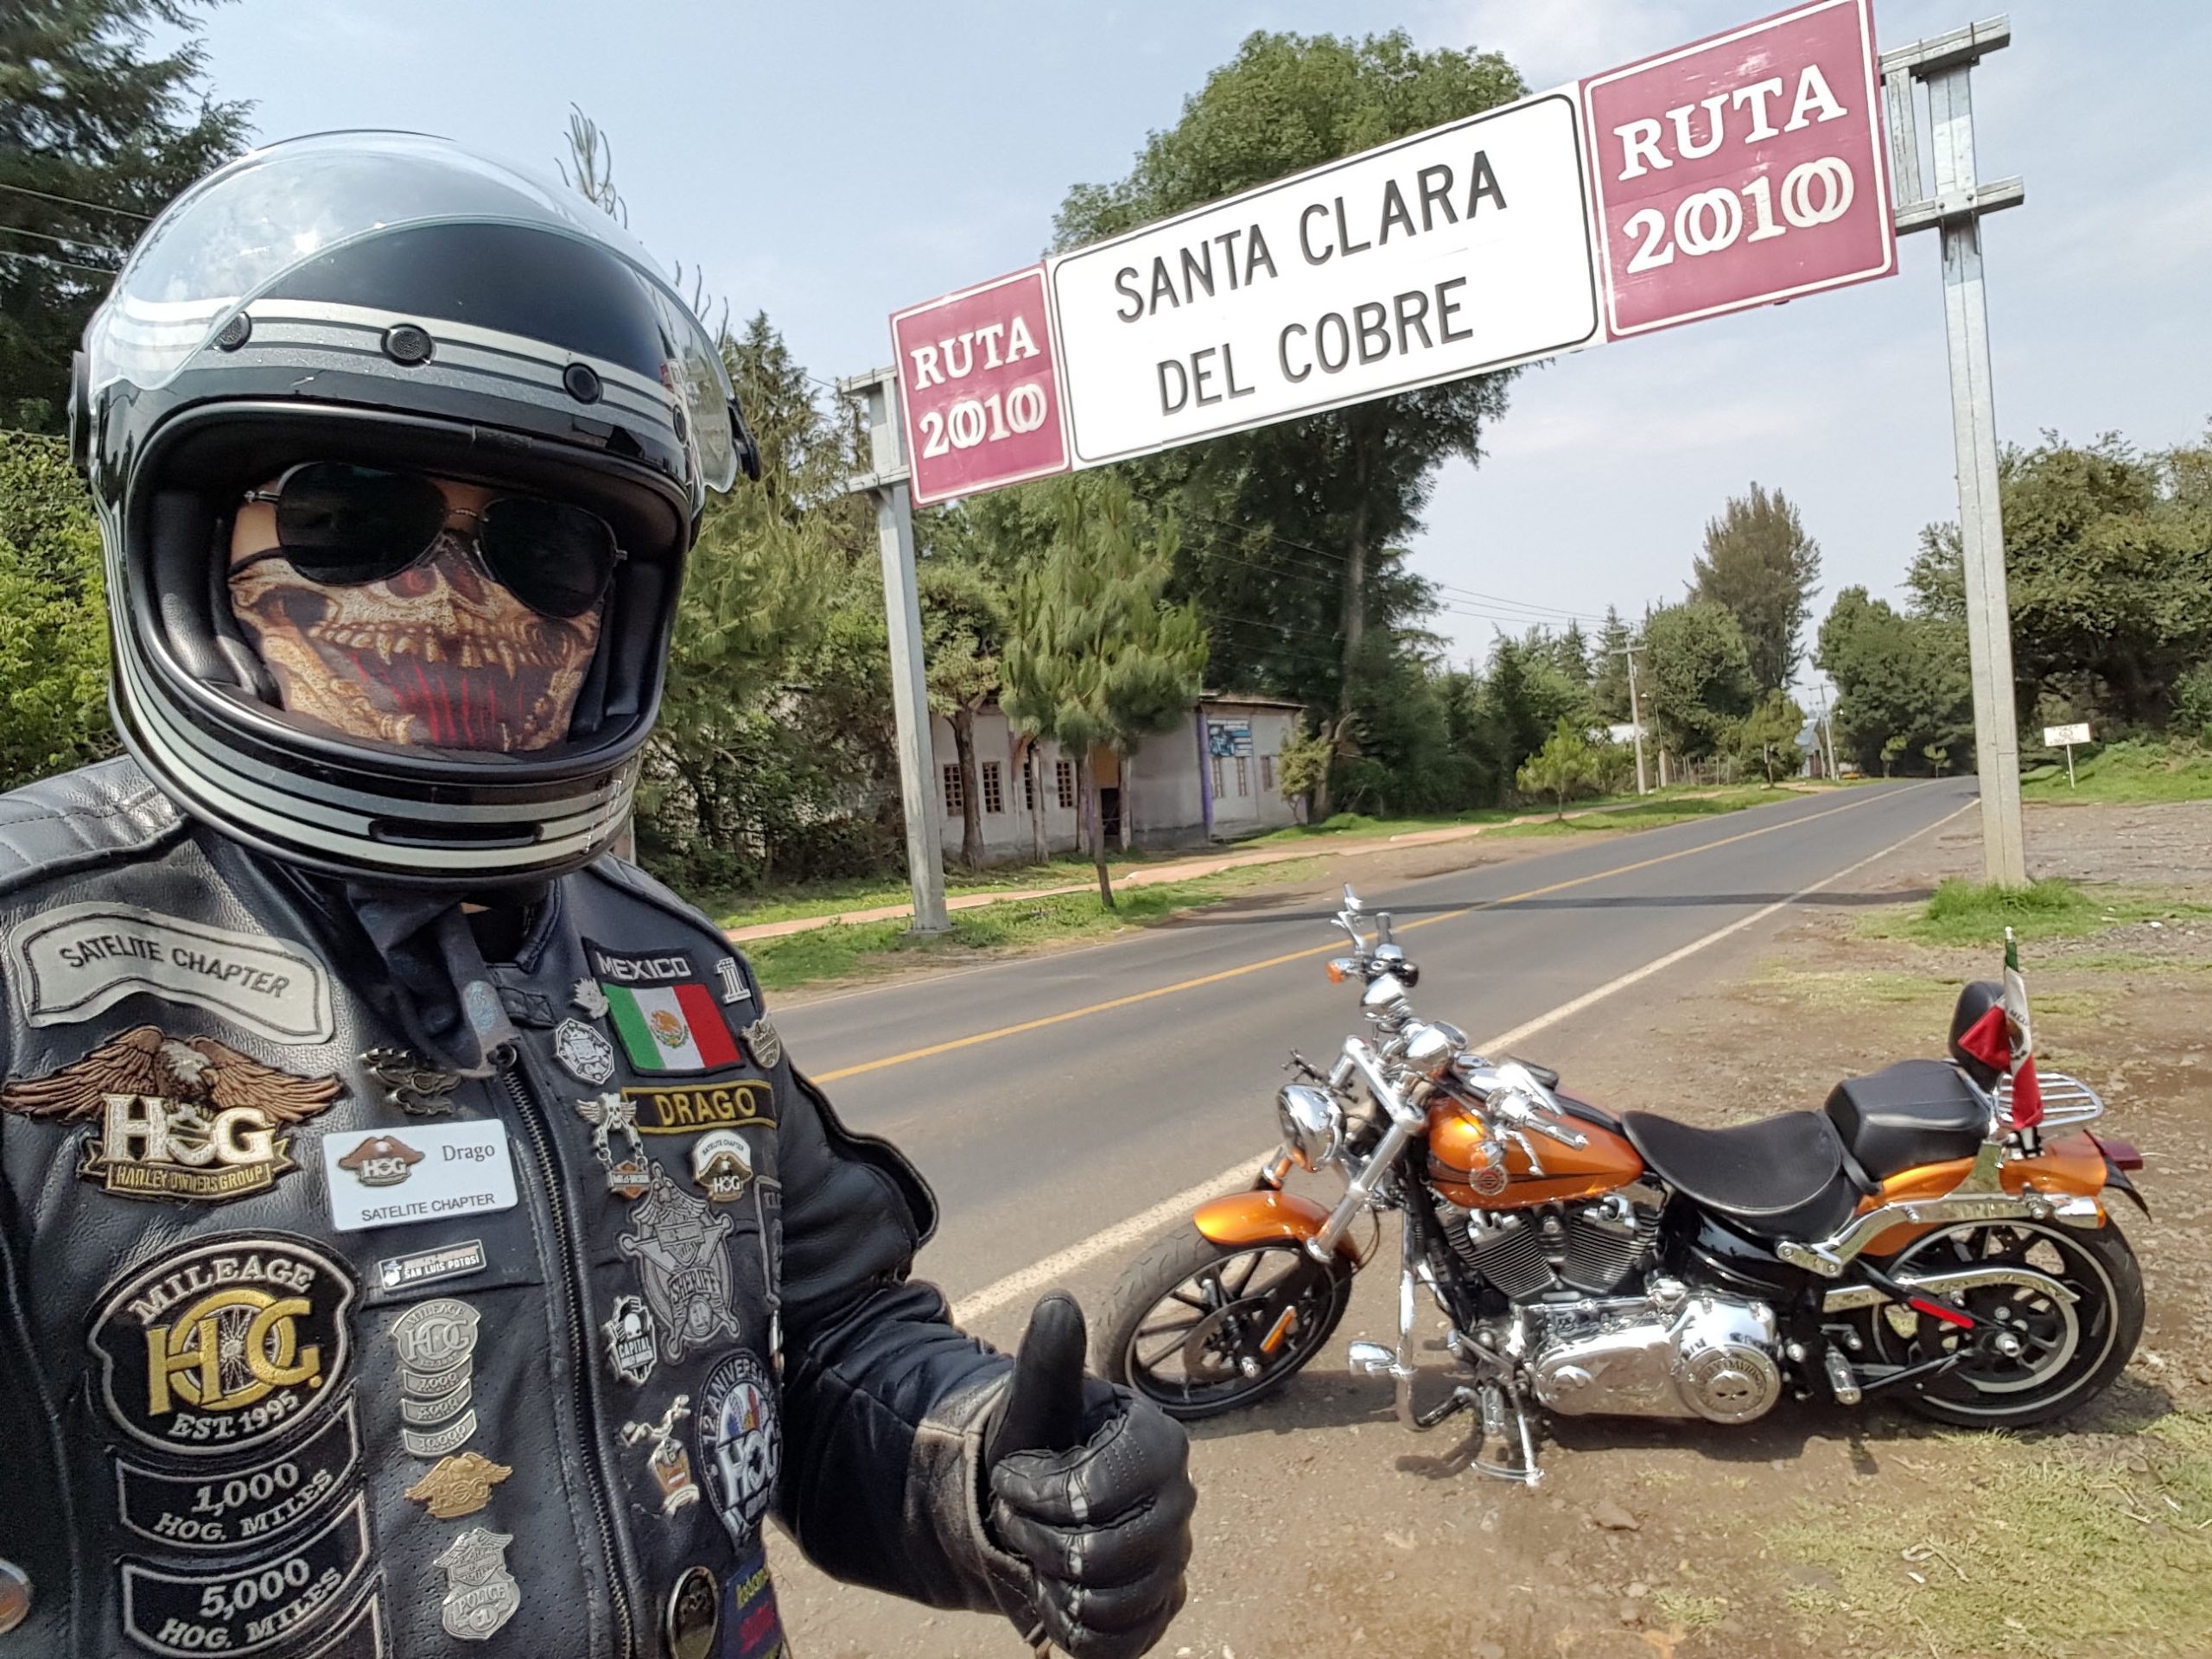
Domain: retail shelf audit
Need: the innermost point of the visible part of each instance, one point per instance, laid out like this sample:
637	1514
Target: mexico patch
669	1022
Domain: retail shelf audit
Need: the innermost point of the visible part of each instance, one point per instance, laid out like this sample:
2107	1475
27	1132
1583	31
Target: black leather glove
1088	1485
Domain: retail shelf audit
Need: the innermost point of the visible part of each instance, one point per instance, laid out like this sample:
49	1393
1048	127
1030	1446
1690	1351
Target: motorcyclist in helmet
413	1236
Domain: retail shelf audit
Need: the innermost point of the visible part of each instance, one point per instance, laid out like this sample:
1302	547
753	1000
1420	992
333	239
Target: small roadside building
1214	778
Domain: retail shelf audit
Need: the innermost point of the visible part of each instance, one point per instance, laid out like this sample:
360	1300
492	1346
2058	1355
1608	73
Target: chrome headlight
1312	1125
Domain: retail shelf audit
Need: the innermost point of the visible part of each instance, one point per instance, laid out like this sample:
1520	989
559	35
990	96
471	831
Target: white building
1216	777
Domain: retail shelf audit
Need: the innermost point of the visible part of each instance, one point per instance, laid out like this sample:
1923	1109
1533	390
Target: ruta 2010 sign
1737	171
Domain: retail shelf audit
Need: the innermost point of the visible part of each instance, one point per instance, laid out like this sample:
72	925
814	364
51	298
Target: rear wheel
2035	1356
1200	1328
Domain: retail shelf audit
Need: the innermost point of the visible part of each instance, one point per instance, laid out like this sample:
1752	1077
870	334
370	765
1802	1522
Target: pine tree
95	136
1759	564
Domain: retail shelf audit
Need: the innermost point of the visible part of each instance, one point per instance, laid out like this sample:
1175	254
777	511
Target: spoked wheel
1200	1328
2036	1355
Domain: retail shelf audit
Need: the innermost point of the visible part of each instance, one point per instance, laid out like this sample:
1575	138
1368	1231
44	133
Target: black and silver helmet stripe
353	336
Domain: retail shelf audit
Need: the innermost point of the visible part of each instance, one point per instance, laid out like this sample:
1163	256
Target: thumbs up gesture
1088	1484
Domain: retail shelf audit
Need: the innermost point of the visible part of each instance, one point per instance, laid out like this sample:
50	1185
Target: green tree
53	655
963	630
1565	766
1294	533
1303	763
97	130
1096	655
1700	676
1900	680
1609	693
2108	567
1767	736
1761	566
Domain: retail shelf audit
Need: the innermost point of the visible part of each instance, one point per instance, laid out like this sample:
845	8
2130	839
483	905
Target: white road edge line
1058	1267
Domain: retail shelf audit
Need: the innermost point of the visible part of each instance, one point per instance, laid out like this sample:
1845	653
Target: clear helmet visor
242	228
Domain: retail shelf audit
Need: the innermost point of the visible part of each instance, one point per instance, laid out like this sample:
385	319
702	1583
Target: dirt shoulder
1324	1527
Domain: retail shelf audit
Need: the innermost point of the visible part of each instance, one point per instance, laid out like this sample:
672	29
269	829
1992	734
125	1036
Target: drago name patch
71	962
747	1103
224	1346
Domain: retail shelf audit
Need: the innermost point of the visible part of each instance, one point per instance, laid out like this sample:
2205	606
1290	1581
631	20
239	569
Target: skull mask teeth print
437	654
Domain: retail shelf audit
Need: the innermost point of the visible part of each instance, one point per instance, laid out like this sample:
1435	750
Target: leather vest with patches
310	1351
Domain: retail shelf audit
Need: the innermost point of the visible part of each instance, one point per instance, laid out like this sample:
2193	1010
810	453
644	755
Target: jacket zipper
533	1117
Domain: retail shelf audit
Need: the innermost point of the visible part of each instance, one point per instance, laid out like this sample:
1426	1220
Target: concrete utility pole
1635	718
902	615
1946	63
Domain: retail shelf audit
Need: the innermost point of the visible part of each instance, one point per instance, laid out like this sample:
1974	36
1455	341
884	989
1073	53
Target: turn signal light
1334	969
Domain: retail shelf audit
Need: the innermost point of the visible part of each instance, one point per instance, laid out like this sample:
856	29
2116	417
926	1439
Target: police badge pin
670	1464
764	1042
481	1595
584	1054
681	1248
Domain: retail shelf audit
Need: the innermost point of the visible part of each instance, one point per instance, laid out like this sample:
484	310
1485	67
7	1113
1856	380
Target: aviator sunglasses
341	525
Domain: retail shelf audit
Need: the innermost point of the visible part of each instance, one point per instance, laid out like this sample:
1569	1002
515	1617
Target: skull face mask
438	654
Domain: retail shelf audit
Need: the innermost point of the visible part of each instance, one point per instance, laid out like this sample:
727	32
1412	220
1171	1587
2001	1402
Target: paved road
1047	1100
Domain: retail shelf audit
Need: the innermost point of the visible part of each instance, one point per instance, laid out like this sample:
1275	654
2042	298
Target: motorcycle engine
1593	1247
1665	1355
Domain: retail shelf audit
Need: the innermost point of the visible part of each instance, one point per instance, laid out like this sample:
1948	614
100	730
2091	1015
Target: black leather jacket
306	1356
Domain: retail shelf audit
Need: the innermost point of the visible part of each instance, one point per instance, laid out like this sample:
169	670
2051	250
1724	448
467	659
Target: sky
831	162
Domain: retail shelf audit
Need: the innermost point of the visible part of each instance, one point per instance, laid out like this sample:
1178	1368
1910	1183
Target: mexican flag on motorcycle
2002	1039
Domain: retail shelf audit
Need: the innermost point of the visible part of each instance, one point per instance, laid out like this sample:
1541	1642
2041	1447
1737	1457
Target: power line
66	241
58	264
71	201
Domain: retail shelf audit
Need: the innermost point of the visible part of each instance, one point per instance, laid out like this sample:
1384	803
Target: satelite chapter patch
224	1346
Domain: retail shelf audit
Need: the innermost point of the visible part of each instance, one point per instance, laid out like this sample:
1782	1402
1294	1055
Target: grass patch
859	951
1876	988
2126	773
1653	812
2060	1549
1969	913
1687	1612
784	903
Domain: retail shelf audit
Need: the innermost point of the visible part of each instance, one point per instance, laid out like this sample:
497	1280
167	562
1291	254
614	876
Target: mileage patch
224	1346
250	1608
230	1511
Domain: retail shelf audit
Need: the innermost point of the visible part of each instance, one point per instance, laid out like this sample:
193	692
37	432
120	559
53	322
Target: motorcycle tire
1216	1297
2084	1346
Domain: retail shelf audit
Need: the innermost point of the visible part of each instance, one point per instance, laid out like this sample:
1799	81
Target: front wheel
1200	1328
2035	1356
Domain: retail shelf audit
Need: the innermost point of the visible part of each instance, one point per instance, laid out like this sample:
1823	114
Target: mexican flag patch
667	1021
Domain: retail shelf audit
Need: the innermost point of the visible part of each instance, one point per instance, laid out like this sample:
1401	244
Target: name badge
383	1178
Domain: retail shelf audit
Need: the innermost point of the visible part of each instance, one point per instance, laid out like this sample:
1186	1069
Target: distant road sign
1458	249
2058	737
981	388
1740	170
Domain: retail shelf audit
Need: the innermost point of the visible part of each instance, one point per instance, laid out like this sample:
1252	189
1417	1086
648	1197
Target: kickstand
1517	1448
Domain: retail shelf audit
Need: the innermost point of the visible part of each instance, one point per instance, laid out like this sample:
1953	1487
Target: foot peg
1843	1381
1516	1461
1370	1359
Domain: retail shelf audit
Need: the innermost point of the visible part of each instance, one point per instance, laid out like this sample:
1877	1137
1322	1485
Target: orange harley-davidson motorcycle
1938	1231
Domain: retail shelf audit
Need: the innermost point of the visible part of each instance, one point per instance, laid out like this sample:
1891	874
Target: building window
1243	776
1216	778
1029	783
1266	774
954	795
1063	775
994	797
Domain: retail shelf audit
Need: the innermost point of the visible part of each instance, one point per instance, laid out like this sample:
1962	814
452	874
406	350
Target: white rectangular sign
1461	249
2058	736
426	1172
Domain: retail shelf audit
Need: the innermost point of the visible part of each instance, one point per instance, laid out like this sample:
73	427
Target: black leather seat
1914	1112
1779	1178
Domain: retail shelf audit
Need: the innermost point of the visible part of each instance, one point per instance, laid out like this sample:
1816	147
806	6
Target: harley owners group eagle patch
188	1118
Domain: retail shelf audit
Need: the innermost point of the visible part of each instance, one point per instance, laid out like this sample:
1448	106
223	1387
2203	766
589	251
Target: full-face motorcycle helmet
390	301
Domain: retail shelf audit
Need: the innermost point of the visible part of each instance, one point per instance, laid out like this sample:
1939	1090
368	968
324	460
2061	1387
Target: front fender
1242	1218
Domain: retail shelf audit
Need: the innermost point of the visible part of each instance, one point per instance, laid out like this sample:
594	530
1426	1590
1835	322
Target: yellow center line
1134	997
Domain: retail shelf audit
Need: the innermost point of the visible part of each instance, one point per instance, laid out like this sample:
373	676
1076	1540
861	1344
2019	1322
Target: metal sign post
902	621
2066	737
1946	63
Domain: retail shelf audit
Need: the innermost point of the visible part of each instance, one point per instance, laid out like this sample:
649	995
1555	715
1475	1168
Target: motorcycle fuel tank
1456	1137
